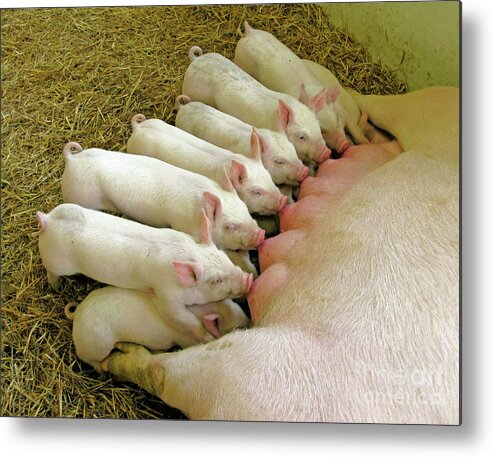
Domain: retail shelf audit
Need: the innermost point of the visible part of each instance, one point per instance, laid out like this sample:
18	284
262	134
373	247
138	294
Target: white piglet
216	81
278	153
264	57
111	314
158	194
170	265
252	182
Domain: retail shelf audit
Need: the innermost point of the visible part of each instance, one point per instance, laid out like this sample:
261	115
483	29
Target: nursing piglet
158	194
112	314
252	182
169	265
274	65
278	154
218	82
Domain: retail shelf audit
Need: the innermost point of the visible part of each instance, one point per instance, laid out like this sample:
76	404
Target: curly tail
71	148
136	120
70	310
194	52
181	100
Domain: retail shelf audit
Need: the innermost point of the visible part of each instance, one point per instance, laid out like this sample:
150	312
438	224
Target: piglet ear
303	95
238	174
211	322
212	206
255	146
285	116
317	102
205	228
333	93
227	184
188	273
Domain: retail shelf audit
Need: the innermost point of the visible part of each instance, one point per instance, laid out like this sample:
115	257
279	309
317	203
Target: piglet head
329	114
255	186
280	159
303	130
233	228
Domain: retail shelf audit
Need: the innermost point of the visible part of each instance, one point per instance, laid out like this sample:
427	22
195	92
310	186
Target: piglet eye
231	227
301	137
280	162
217	281
257	192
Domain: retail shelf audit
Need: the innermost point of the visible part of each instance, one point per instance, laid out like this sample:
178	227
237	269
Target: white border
54	437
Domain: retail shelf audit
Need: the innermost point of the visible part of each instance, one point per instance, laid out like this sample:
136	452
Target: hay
79	75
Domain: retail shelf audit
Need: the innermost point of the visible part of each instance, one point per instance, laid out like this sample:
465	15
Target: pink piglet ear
255	146
41	220
212	206
333	93
188	273
205	228
303	95
211	322
318	101
285	116
238	174
227	184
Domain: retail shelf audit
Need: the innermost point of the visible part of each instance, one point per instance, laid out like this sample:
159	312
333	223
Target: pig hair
181	100
71	148
137	119
70	310
194	52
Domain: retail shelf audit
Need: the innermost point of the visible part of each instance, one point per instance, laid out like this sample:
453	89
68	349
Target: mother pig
371	333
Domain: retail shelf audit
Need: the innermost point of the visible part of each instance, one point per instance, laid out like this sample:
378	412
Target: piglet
111	314
272	63
252	182
278	154
159	194
169	265
218	82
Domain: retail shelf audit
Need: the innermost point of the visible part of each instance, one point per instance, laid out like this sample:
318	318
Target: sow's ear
188	273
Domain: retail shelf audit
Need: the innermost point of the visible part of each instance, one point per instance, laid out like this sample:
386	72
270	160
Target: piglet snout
343	146
324	155
283	200
258	237
247	282
303	174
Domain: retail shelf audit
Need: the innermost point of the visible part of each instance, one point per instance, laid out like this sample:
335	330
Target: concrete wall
418	39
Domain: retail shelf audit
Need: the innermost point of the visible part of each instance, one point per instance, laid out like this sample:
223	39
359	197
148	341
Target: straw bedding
79	75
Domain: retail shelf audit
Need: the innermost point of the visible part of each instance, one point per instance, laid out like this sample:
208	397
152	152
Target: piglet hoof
53	280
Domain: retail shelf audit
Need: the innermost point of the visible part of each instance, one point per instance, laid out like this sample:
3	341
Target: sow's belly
368	260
